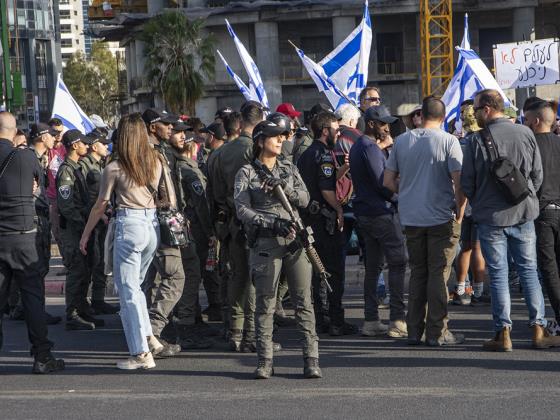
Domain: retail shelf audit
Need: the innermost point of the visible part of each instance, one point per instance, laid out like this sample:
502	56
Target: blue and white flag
323	82
68	111
347	65
255	81
471	75
247	93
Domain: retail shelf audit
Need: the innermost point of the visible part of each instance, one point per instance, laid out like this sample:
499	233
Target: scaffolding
436	39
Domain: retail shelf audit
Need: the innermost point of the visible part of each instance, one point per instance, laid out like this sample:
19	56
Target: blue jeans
136	241
521	241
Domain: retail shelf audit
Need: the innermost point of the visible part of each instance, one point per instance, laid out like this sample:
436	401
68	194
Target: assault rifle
304	235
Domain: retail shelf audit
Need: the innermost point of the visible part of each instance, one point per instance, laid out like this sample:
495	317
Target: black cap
379	113
223	112
318	108
267	129
37	130
179	125
216	129
97	136
152	115
74	136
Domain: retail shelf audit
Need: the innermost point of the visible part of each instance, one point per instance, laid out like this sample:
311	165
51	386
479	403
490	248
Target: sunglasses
337	130
373	99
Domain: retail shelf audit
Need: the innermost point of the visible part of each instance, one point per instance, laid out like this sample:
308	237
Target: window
65	14
66	43
65	29
75	13
390	53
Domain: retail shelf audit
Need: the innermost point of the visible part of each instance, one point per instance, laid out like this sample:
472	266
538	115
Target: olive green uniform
270	256
241	292
92	170
73	206
195	208
300	145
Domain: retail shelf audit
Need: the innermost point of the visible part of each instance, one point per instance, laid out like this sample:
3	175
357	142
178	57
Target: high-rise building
72	37
34	58
87	39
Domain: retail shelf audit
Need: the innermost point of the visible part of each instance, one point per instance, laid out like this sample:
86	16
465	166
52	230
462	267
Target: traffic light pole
6	55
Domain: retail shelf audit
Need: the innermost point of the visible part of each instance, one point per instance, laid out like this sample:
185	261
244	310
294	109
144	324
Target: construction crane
436	45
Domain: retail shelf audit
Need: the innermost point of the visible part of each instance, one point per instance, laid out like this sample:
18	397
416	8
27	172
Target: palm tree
179	57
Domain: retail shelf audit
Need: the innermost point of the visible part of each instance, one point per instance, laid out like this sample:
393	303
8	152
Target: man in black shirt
19	174
325	216
540	117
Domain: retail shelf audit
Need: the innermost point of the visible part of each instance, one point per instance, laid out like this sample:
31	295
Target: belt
18	233
552	206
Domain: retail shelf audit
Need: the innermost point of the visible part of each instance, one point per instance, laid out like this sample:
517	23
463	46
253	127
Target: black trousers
19	262
331	251
547	227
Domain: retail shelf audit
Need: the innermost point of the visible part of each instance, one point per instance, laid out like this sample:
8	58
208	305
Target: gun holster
330	220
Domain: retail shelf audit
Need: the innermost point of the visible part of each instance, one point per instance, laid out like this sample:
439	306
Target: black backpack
508	177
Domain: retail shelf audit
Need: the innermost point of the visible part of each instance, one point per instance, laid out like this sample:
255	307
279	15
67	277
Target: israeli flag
323	82
247	93
256	86
471	75
68	111
347	65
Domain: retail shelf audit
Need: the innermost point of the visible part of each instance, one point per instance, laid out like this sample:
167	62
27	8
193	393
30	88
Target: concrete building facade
71	28
266	27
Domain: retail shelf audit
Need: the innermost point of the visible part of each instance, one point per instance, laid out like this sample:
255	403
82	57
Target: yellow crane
436	45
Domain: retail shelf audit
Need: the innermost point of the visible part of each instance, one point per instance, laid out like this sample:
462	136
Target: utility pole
8	96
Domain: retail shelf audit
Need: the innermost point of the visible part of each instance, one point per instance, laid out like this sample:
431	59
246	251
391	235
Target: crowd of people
258	206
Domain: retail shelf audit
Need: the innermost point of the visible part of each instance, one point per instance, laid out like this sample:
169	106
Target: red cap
288	109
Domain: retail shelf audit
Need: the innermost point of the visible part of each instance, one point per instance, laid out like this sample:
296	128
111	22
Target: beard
331	142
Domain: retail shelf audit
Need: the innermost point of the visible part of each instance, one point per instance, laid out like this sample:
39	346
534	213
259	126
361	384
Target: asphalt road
363	377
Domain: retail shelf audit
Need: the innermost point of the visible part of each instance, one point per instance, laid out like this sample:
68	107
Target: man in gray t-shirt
425	169
425	158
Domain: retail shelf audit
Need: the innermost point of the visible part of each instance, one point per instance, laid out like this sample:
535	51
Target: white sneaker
373	328
145	361
397	329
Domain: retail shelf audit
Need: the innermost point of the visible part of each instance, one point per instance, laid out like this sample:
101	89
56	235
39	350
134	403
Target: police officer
73	205
192	201
92	166
19	261
241	293
325	216
271	234
165	278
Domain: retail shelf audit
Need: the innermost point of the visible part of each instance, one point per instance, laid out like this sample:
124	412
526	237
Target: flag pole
341	92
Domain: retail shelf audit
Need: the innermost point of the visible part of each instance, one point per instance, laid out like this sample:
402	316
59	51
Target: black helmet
280	120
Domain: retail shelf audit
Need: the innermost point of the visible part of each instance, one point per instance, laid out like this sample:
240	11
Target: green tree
94	83
179	57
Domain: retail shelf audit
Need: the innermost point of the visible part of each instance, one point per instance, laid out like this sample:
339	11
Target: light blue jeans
136	241
521	242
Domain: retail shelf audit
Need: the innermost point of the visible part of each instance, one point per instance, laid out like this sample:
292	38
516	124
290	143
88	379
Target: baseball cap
74	136
37	130
98	121
152	115
179	125
216	129
96	136
288	109
267	129
379	113
222	112
318	108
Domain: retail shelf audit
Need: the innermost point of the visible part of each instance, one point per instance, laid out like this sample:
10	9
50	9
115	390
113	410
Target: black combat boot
76	322
311	368
100	307
47	364
264	369
190	338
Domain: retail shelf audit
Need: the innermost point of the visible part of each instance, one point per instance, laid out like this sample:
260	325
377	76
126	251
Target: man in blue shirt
378	224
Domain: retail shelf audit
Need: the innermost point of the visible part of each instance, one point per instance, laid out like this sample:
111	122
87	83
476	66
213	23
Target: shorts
469	231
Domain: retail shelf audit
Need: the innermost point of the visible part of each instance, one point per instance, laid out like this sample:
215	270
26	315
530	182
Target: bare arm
460	199
390	180
95	215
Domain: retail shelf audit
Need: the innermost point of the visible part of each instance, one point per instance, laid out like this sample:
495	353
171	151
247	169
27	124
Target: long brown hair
137	157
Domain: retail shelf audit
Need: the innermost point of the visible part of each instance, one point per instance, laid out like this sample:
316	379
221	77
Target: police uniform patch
197	187
327	169
64	191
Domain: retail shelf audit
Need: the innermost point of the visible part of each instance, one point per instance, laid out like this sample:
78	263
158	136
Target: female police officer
270	232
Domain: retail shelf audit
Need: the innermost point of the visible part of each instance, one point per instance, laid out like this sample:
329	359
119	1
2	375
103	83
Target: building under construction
398	64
